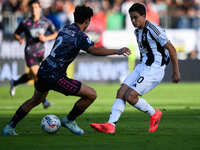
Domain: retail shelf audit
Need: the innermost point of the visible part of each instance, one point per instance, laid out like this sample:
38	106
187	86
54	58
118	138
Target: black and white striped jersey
151	40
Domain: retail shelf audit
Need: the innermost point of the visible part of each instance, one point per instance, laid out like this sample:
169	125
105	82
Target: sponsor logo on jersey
89	41
35	32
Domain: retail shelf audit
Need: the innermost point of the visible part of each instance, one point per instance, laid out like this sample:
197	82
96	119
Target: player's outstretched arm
176	77
100	51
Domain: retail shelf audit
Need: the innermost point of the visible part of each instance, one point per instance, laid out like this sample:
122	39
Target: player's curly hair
139	8
82	13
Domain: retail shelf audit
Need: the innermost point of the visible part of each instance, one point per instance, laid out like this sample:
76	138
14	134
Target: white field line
92	107
123	116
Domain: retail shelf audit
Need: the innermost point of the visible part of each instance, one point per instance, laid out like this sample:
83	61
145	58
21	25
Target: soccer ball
50	124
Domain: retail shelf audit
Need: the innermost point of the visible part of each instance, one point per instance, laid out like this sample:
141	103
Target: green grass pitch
179	127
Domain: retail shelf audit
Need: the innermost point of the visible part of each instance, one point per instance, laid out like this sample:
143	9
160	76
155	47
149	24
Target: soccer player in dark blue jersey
34	29
52	72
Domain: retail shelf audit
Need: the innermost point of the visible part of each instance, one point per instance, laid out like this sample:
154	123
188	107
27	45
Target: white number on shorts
59	39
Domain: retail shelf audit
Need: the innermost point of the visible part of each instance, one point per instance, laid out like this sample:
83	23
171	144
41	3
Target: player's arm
100	51
17	37
173	55
17	33
50	37
52	30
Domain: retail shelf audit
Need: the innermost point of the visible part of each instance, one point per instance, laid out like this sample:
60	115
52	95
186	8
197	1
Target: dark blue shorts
64	85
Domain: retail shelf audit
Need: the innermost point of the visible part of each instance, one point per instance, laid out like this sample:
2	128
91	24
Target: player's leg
13	83
132	98
33	75
116	111
25	77
22	111
129	92
33	72
149	78
87	96
41	90
119	104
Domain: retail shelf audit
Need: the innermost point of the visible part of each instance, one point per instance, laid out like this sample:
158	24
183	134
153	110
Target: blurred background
110	27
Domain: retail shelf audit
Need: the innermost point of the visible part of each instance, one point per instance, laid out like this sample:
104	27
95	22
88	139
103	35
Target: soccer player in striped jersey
155	51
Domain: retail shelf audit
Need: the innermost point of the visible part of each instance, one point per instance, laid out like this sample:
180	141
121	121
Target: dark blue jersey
69	42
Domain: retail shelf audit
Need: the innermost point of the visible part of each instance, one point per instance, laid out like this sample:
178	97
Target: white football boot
72	126
8	130
12	88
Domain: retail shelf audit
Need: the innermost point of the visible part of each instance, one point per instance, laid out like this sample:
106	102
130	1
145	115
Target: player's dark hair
82	13
139	8
33	1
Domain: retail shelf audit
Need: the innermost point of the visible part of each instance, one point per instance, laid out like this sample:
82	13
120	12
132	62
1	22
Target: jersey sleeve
160	35
84	42
51	28
20	28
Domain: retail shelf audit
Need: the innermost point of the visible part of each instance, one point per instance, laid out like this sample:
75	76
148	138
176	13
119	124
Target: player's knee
131	99
93	95
120	93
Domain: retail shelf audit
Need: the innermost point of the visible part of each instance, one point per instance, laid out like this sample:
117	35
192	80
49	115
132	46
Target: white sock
142	105
116	111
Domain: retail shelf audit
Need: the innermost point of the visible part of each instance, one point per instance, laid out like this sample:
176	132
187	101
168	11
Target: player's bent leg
33	74
117	109
87	94
131	96
141	104
22	111
37	98
121	91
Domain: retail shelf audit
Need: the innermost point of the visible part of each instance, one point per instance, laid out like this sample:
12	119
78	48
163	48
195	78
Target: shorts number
59	39
140	79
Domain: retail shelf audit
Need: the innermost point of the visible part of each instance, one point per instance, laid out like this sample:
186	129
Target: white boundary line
157	107
94	116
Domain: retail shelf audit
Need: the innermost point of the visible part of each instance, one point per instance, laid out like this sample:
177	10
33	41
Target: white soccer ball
50	124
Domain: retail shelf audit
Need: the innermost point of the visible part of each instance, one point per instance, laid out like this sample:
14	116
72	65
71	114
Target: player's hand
176	77
124	51
21	41
42	37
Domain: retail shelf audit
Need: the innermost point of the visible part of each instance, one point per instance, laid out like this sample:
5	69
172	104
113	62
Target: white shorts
144	78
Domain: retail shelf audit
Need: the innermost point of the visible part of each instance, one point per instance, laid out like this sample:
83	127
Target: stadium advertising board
99	69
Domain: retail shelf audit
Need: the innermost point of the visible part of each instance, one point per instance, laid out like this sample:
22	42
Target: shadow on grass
178	129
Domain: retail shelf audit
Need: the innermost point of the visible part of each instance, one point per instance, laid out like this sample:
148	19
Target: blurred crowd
110	14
